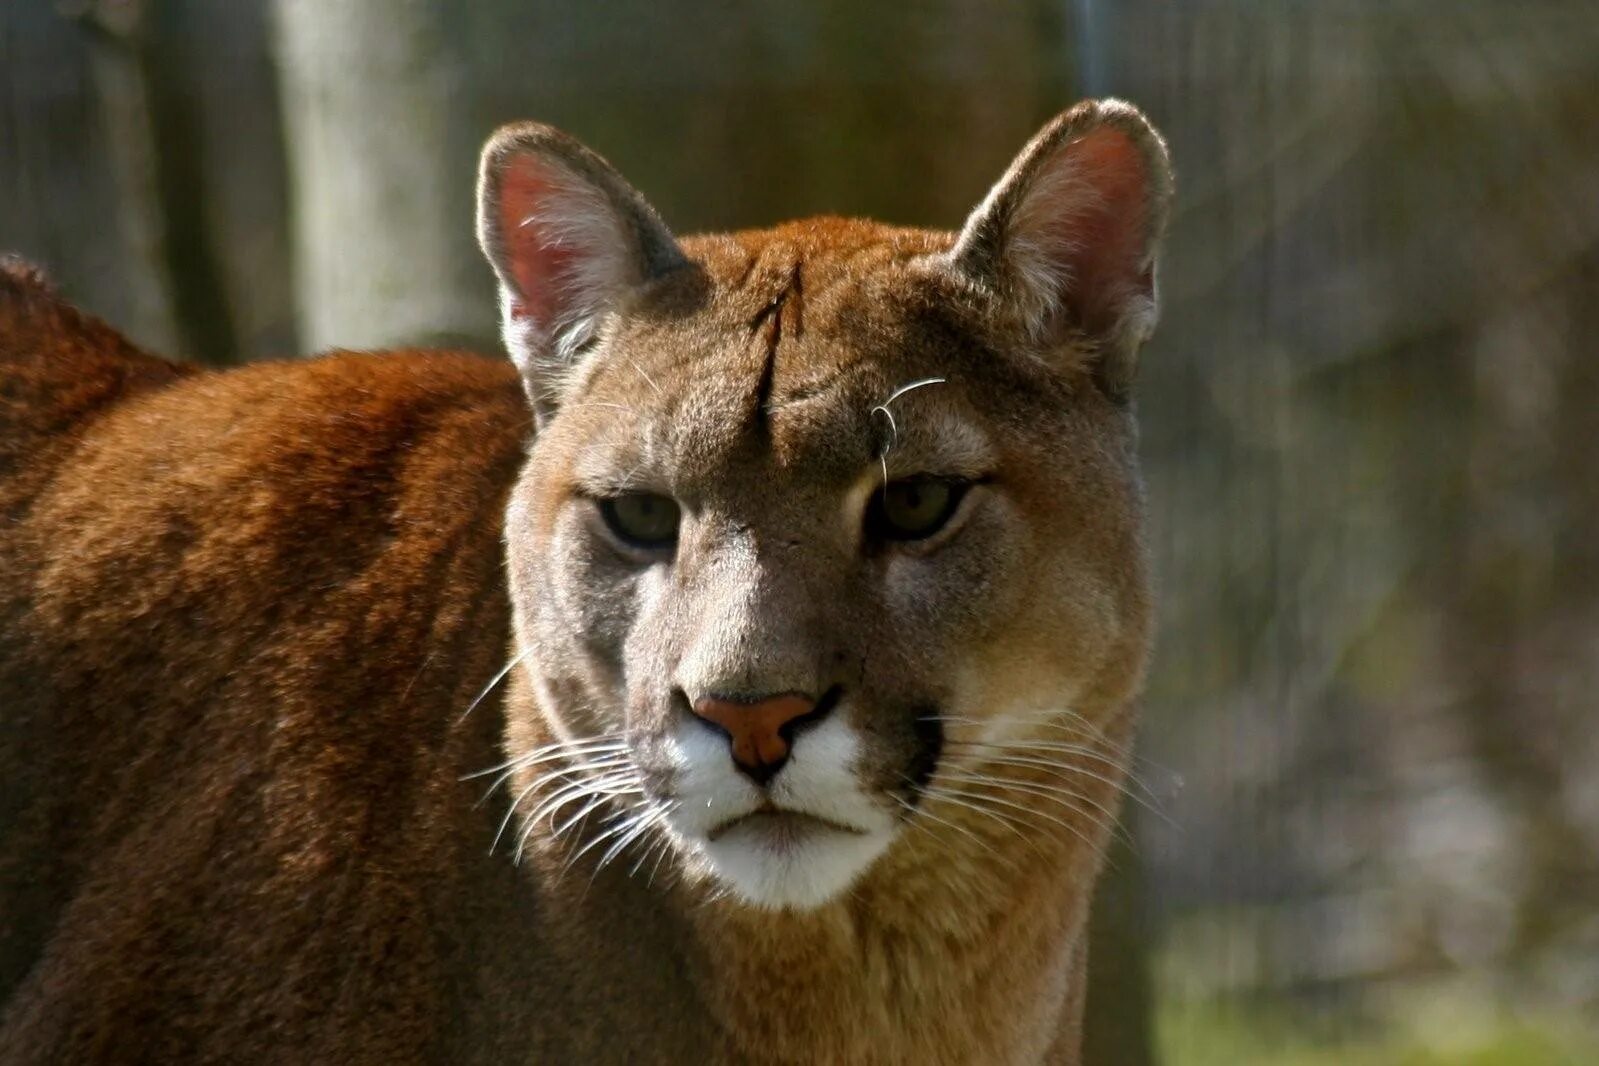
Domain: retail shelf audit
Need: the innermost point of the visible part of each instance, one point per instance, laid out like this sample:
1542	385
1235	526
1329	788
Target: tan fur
243	614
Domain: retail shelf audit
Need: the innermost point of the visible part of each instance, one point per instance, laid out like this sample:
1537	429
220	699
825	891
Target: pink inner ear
541	264
1107	232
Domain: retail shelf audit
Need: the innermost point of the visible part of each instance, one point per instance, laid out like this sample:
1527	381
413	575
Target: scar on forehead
787	304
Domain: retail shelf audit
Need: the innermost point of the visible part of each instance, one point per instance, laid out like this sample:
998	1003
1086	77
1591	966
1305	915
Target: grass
1437	1035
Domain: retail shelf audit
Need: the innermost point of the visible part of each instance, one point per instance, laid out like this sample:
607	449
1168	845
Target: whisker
568	793
1033	746
607	764
608	761
893	426
1008	751
1147	801
601	788
934	792
1063	796
619	823
594	803
1078	726
666	849
641	825
648	851
648	380
597	403
558	748
921	810
510	812
1033	812
597	800
523	654
1065	749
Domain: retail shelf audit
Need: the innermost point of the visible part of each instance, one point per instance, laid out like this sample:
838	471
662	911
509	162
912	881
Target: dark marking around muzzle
928	725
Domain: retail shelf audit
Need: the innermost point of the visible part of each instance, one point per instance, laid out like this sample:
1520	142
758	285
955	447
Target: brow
618	462
938	444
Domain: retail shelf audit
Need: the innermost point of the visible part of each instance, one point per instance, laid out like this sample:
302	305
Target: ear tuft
1066	241
568	239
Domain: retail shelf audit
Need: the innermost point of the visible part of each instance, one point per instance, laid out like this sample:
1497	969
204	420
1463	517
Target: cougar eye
642	519
913	509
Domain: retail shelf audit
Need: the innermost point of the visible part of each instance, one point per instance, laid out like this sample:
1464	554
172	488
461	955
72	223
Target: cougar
745	671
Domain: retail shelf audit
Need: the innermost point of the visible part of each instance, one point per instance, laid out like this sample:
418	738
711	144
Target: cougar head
818	519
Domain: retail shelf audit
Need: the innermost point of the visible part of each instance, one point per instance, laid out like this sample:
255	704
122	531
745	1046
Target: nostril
681	705
822	709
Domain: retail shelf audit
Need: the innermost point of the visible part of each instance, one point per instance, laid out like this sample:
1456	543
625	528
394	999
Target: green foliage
1216	1034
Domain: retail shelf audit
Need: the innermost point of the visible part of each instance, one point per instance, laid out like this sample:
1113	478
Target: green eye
642	519
913	509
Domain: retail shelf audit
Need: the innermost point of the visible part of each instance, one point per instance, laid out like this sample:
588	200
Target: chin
789	861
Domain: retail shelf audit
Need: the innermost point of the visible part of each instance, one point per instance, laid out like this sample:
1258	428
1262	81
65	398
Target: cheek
942	603
582	597
942	614
1065	630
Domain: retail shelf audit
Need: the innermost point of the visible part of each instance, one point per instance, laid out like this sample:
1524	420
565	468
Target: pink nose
755	728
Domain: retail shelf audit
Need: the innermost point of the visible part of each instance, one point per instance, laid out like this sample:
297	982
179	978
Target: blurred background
1371	415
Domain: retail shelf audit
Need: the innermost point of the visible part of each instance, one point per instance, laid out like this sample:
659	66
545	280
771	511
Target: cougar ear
1066	241
569	239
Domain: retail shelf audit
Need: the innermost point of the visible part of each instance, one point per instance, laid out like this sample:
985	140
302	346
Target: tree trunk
1118	1027
382	200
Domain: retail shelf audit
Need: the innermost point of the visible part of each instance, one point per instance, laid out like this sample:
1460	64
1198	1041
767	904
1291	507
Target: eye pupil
642	519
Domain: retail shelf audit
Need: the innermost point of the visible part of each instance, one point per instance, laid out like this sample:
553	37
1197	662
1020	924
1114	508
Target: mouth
780	826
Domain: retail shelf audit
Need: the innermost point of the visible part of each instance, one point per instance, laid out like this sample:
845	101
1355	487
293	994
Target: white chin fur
799	872
793	862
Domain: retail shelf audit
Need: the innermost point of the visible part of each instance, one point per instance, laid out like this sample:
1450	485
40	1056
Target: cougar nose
760	729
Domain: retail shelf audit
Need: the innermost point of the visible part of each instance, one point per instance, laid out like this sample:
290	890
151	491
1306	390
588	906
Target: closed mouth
780	821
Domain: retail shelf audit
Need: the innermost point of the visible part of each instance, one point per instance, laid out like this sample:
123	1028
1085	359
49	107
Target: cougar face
818	518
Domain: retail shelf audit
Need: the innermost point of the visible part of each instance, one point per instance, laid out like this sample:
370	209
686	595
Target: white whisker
1078	726
608	761
569	793
1033	812
640	825
1063	796
934	792
523	654
659	847
1146	800
510	812
527	758
619	822
921	810
893	426
649	380
655	868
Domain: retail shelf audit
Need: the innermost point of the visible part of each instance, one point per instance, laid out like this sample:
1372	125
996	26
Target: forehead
823	351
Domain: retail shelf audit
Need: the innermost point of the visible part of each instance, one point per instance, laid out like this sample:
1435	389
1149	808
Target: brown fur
243	614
